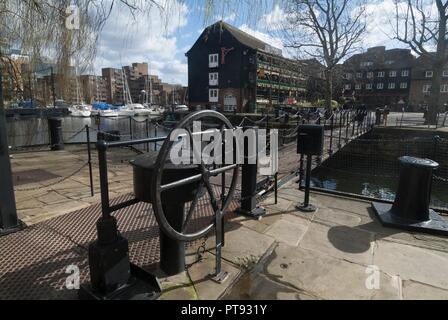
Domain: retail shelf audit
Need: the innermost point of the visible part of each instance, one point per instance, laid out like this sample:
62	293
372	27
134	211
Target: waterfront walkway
339	252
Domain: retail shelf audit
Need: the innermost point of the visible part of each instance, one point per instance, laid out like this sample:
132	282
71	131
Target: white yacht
108	113
126	111
81	110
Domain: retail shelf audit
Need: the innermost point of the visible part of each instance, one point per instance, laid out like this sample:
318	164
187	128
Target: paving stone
53	197
418	291
320	275
178	287
200	276
412	263
244	247
338	217
349	205
339	241
256	286
287	232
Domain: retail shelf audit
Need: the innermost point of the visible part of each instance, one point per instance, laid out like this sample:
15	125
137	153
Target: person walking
386	113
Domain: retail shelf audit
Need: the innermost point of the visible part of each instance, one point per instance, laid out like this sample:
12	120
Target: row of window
380	74
429	74
380	86
427	88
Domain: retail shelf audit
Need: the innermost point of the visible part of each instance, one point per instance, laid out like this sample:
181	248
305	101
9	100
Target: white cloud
146	37
273	20
273	41
381	22
230	18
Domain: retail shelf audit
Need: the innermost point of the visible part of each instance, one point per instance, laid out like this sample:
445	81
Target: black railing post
147	134
130	127
340	129
347	125
354	124
89	154
155	135
331	134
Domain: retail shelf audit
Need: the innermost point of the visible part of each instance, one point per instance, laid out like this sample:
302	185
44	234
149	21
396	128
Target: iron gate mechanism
157	180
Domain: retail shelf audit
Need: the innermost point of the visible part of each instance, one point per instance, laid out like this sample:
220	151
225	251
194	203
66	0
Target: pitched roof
241	36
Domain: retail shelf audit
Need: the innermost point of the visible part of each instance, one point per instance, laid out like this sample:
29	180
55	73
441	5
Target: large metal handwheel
203	179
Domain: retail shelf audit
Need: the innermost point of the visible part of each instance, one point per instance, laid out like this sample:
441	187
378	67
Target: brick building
229	70
422	76
378	77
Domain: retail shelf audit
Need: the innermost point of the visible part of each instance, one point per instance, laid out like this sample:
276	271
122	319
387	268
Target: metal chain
55	182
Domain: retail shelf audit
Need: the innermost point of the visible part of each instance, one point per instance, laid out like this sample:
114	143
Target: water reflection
379	187
34	131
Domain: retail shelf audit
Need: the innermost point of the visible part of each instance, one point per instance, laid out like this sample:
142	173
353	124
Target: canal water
370	166
365	184
34	131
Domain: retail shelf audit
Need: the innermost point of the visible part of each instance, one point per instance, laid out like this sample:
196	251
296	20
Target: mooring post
8	211
56	137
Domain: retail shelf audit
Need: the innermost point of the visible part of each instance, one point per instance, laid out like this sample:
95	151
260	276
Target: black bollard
56	138
410	210
310	141
249	205
172	252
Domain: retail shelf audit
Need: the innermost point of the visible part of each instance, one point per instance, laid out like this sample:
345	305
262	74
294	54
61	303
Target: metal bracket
221	277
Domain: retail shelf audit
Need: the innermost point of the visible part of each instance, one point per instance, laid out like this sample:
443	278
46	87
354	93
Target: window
347	87
359	75
381	74
380	86
405	73
358	87
392	74
369	86
426	88
366	63
428	74
445	73
403	85
389	61
348	76
369	75
213	95
444	88
213	79
391	85
213	60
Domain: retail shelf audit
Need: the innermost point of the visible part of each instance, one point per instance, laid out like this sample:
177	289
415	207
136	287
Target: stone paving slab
320	275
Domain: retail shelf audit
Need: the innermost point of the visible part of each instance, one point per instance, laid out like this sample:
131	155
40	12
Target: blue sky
163	39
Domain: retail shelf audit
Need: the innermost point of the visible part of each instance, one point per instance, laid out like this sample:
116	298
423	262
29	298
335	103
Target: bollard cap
418	162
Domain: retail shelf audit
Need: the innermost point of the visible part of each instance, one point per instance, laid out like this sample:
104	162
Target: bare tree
39	28
328	30
422	25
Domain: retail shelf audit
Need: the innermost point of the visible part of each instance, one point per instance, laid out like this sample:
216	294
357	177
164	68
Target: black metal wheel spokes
202	179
